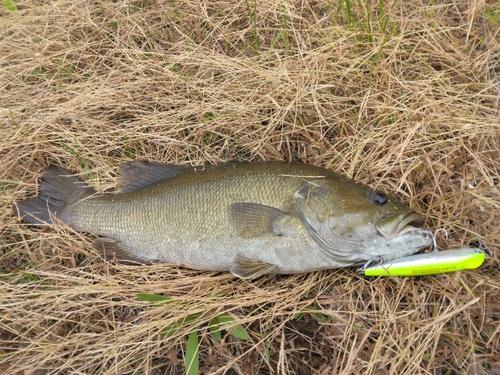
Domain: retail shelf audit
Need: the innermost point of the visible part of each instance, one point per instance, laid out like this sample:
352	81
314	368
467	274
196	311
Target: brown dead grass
411	107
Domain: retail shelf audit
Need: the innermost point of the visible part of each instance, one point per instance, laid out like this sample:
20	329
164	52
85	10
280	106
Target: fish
248	218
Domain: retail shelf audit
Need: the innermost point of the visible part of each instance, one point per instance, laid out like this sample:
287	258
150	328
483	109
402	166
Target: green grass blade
151	297
275	39
154	299
214	327
76	153
192	358
285	27
10	5
176	327
238	331
348	8
253	18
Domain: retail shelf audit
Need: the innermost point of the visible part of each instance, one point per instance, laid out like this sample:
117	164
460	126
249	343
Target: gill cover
313	202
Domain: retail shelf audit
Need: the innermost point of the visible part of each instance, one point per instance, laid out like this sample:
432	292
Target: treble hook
484	247
375	258
434	235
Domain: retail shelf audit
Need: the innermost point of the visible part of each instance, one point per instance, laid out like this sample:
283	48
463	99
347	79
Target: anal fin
112	249
246	268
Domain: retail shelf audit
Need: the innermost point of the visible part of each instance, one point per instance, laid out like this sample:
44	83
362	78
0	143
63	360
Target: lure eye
379	198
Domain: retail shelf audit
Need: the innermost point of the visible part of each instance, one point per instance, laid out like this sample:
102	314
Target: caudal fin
59	190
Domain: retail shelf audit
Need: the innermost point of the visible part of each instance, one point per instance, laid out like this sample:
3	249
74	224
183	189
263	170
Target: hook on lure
434	236
374	259
484	247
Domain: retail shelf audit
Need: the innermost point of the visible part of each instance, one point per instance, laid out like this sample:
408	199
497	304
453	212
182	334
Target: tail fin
59	190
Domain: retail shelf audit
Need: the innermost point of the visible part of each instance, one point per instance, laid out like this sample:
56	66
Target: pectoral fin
112	249
246	268
255	220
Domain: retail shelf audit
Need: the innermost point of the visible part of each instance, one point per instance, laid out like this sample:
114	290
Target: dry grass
405	99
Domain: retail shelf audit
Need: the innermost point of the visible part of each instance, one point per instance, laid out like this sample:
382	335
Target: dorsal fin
138	174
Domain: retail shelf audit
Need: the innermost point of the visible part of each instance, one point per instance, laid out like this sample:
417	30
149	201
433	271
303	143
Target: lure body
430	263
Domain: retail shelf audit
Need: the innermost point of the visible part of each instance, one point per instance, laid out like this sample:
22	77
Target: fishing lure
427	264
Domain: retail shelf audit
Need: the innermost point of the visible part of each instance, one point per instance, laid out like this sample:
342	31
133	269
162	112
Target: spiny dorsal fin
255	220
112	249
138	174
246	268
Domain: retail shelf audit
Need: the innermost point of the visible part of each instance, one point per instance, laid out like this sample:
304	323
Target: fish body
247	218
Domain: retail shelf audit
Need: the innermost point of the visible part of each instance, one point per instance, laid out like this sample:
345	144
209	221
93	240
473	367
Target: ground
402	96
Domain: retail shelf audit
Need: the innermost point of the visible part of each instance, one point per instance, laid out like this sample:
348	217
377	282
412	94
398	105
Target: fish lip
405	223
410	222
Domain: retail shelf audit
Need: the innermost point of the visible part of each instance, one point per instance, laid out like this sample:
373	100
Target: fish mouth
394	225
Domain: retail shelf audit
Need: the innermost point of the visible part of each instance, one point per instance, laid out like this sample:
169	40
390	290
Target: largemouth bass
247	218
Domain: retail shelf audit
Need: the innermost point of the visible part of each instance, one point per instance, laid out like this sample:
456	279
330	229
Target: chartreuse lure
431	263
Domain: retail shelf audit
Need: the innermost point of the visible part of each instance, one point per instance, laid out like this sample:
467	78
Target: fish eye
379	198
